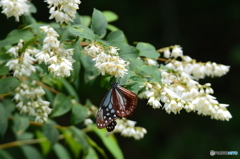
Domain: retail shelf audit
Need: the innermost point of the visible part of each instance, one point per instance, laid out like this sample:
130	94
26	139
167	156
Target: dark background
208	30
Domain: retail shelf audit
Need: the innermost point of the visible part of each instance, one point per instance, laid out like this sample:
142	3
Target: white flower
22	66
53	54
127	129
177	51
63	10
154	102
29	100
113	50
180	91
43	56
92	49
14	8
88	121
151	62
112	65
166	53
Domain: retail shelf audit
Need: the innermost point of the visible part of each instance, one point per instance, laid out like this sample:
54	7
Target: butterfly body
118	102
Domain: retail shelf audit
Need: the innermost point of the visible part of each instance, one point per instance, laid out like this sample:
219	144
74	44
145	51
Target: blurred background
208	30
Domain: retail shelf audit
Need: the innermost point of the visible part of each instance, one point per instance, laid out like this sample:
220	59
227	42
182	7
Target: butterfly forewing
118	102
126	101
106	113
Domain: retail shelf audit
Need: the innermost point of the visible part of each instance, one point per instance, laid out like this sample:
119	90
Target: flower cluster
22	65
190	66
107	60
29	100
14	8
127	128
63	10
53	54
28	96
179	89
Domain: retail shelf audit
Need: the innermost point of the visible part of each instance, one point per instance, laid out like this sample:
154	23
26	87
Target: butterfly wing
110	127
124	100
106	115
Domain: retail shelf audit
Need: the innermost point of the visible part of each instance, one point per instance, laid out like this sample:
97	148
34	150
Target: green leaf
32	8
3	70
116	38
61	105
51	133
109	141
75	72
8	84
61	151
76	20
3	120
150	72
110	16
29	42
147	50
79	113
94	145
80	138
77	51
74	146
135	63
128	52
25	136
14	36
99	23
4	57
65	36
82	31
71	91
134	83
30	152
9	106
21	123
92	154
112	27
124	80
46	146
5	155
85	20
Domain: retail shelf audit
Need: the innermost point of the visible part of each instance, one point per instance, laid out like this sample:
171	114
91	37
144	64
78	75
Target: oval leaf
82	31
110	16
21	123
5	155
147	50
128	52
51	133
99	23
3	70
61	151
80	138
61	105
8	84
116	38
110	142
45	146
79	113
30	152
3	121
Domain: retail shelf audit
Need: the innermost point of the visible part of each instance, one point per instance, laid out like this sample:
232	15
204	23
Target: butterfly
117	103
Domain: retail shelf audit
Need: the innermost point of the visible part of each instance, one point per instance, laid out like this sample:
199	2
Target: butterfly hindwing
110	127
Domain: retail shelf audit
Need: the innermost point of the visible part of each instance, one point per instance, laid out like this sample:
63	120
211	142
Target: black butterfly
117	103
